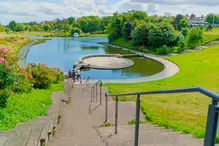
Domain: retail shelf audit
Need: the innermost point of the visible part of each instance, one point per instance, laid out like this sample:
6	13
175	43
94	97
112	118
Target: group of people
75	75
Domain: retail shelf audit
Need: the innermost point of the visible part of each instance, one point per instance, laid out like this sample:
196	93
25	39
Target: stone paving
82	120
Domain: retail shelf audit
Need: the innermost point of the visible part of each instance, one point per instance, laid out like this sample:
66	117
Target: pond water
64	52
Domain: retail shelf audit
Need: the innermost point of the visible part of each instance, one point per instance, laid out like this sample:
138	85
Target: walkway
82	120
76	126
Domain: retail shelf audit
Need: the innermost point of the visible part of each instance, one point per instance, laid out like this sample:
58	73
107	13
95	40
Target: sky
41	10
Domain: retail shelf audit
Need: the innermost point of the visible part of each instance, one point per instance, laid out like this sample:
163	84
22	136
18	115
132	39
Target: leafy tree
177	20
47	27
140	34
67	27
127	29
114	28
183	24
76	24
161	34
2	29
195	37
36	28
105	22
12	25
185	32
212	19
71	20
75	30
21	27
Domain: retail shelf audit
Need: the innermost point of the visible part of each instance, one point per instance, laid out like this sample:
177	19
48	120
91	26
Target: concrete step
149	135
126	113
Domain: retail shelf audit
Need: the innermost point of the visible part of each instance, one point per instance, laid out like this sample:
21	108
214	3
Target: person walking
69	74
74	75
78	74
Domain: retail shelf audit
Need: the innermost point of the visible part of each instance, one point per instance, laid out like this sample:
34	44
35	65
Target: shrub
161	34
140	35
195	37
3	98
163	50
42	76
57	75
6	78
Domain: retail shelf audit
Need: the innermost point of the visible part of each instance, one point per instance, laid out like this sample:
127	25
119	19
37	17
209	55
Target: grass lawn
24	107
182	112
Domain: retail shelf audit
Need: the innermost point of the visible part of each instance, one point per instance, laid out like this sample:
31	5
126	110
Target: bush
161	34
57	75
140	35
163	50
42	76
6	76
4	95
195	37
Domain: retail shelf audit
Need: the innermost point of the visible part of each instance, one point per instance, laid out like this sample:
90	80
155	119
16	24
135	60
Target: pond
64	52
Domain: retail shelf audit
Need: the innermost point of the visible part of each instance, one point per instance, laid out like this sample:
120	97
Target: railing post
100	93
138	102
212	123
106	100
91	95
96	91
116	115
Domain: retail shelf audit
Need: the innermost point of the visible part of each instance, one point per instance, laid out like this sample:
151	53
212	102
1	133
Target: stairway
82	120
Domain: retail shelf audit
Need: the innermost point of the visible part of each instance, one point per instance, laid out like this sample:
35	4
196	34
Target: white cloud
177	2
39	10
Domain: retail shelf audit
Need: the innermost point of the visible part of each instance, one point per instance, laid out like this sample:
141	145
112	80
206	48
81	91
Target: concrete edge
170	69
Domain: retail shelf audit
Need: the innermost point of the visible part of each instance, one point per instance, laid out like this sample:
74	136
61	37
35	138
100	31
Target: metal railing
212	117
94	92
87	82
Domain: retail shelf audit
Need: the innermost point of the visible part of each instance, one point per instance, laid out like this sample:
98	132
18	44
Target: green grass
24	107
182	112
122	42
133	122
106	125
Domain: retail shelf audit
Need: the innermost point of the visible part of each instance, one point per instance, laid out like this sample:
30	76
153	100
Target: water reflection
64	52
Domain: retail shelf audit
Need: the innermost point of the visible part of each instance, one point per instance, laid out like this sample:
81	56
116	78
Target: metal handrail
212	120
95	86
87	83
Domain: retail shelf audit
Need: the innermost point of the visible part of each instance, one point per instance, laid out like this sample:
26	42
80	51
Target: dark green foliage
75	30
185	32
161	34
127	29
195	37
163	50
183	24
140	35
177	20
12	26
4	95
212	19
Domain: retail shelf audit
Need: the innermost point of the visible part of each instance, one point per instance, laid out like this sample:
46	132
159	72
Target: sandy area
106	62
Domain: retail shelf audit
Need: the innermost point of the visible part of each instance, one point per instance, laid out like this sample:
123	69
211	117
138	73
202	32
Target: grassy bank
24	107
14	43
181	112
210	36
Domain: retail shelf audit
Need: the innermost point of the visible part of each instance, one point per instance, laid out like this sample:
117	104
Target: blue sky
40	10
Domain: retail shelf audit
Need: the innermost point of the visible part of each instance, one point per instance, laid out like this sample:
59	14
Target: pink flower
4	51
8	67
2	61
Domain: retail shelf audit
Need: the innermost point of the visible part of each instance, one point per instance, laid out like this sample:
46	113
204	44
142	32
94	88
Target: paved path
82	120
76	126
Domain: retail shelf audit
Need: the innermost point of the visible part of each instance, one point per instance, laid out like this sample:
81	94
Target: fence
212	119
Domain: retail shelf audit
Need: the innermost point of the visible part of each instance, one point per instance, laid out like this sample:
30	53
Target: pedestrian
69	74
78	74
74	75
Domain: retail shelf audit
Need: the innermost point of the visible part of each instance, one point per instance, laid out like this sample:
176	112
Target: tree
177	20
2	29
140	35
183	24
83	24
47	27
195	37
76	24
12	25
71	20
36	28
212	19
161	34
127	29
75	30
21	27
105	22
